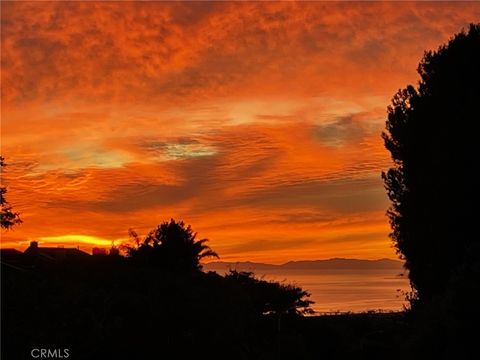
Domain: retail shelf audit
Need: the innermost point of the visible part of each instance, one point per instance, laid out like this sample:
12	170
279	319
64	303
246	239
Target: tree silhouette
431	135
8	217
171	245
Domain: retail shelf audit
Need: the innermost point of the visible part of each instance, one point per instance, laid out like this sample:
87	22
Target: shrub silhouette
431	135
171	245
270	297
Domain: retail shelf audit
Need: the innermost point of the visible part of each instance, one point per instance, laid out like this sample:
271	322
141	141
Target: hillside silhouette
328	264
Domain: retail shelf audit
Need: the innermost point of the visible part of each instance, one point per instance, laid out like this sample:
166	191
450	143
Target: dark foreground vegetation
432	135
154	301
108	309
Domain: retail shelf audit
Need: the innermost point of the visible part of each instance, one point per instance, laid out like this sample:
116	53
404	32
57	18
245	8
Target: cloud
343	130
128	51
180	149
256	122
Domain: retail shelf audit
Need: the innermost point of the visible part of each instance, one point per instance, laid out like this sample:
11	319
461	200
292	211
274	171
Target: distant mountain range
330	264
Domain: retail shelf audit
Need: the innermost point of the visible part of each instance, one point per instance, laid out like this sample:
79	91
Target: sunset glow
257	123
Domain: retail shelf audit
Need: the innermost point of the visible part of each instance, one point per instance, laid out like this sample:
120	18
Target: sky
257	123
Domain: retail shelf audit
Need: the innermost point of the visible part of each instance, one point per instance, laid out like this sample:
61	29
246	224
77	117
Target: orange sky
257	123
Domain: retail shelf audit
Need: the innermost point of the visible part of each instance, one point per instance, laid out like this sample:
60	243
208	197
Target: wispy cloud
256	122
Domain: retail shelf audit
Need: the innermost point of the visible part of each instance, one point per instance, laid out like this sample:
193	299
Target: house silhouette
35	255
53	253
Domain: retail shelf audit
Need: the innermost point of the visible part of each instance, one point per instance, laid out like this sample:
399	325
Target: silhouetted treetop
171	245
431	133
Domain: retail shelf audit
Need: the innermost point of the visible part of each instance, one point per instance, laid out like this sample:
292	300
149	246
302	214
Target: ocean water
347	290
